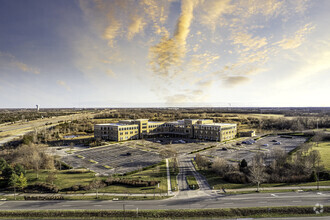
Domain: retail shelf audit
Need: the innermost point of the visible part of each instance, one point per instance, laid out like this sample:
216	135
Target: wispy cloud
11	61
231	81
212	42
111	74
297	39
63	84
169	52
24	67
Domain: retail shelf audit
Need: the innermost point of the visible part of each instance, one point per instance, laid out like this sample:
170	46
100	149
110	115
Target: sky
157	53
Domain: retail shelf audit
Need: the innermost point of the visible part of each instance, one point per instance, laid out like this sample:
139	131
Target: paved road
187	168
210	200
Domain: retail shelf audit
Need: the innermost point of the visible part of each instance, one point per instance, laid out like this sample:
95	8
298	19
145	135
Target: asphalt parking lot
115	158
131	155
235	153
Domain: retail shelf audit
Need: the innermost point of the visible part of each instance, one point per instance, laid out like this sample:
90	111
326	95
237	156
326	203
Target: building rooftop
217	124
117	124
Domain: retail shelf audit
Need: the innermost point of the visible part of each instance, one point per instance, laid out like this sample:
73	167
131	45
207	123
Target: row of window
153	126
131	132
206	132
128	128
108	128
228	132
207	128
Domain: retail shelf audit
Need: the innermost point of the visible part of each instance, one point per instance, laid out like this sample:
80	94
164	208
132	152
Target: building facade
203	129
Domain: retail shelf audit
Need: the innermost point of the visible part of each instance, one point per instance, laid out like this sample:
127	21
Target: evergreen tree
19	169
13	182
3	164
21	181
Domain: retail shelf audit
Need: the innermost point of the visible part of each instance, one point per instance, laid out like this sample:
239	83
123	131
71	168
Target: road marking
66	205
2	203
262	202
228	203
97	205
297	201
274	195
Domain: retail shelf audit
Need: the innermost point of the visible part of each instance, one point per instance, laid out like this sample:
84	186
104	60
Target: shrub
130	182
42	187
235	177
52	197
77	171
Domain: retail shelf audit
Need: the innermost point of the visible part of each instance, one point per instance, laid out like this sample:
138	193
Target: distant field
324	149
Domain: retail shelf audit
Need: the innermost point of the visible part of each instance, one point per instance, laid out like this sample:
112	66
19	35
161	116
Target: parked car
277	143
273	140
224	148
265	145
238	143
252	141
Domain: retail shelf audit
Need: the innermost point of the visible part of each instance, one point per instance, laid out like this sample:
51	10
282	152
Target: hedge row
205	148
41	187
130	182
114	181
53	197
180	213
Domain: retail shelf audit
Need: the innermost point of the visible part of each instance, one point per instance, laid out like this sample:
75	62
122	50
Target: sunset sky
153	53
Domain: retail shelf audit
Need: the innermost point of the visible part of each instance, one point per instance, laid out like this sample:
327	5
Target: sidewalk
86	194
277	188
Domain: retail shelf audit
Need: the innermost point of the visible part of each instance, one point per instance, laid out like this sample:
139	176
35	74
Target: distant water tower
37	107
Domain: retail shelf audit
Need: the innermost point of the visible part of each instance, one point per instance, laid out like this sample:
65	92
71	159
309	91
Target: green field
192	182
157	173
66	178
324	149
63	179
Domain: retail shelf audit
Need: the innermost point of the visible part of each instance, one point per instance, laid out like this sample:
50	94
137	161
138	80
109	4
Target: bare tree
257	170
97	184
168	153
221	166
315	158
279	157
202	161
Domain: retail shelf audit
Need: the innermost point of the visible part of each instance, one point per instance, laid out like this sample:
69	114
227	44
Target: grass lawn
324	149
192	182
157	173
66	179
173	174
